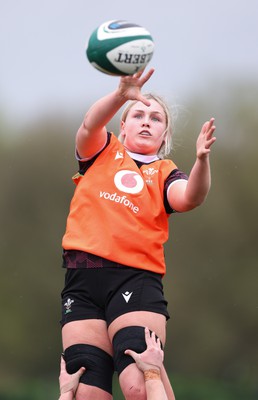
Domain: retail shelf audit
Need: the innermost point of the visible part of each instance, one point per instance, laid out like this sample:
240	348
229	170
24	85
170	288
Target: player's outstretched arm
92	135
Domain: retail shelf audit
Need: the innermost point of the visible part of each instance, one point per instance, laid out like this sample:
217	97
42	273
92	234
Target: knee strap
131	337
99	365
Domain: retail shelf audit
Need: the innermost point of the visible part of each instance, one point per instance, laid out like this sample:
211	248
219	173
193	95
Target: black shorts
106	293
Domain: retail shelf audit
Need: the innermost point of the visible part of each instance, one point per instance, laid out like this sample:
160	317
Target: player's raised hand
205	139
130	86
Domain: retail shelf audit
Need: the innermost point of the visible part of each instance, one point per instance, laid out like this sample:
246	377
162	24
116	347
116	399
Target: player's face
144	128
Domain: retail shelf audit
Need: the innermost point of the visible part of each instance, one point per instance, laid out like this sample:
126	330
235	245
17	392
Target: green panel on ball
97	50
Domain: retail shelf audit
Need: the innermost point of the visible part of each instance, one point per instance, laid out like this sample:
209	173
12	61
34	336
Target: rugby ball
119	48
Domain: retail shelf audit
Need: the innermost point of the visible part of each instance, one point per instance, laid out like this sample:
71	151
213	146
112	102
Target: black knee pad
99	365
131	337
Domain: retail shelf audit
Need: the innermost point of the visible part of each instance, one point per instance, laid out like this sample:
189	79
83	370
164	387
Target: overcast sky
43	64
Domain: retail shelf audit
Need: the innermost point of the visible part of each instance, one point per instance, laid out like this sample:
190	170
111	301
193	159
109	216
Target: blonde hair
166	146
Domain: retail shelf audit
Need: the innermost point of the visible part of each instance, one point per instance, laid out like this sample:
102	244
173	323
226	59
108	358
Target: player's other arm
186	195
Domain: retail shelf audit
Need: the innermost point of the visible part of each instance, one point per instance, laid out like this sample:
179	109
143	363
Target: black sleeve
175	175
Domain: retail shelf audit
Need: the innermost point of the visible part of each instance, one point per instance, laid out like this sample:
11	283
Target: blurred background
206	63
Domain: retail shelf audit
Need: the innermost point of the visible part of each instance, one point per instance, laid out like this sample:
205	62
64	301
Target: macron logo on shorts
127	296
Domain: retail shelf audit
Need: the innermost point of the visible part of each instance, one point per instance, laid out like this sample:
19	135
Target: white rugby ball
119	48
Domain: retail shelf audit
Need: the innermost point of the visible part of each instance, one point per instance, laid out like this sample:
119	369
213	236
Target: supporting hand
152	357
69	382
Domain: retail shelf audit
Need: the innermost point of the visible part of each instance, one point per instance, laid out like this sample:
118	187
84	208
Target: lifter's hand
69	382
152	357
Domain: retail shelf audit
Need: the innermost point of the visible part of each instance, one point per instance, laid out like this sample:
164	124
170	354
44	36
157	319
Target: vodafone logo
128	181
